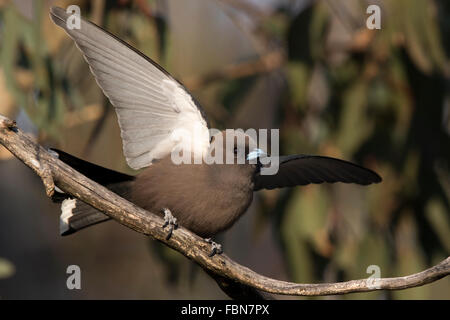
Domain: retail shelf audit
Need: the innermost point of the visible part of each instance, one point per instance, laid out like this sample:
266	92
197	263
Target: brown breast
205	199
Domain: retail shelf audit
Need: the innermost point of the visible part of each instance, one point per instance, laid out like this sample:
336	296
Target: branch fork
234	279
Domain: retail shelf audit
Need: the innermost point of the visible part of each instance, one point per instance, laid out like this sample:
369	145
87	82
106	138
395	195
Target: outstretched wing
301	170
156	113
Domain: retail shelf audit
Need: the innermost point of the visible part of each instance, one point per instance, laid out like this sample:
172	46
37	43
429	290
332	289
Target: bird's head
236	147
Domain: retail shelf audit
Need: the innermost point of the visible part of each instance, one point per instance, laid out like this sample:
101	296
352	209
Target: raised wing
156	113
301	170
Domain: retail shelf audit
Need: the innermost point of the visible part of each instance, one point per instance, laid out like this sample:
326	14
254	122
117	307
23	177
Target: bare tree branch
52	171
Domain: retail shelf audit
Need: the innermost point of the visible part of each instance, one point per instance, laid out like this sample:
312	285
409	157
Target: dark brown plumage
157	115
206	199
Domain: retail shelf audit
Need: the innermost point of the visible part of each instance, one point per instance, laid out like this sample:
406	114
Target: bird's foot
216	248
169	220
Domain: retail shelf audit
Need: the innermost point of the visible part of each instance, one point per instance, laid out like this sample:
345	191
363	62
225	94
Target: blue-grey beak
255	154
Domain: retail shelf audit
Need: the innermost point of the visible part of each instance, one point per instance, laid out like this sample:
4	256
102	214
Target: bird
158	115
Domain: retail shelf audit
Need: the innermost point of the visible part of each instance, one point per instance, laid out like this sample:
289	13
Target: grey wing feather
298	170
151	106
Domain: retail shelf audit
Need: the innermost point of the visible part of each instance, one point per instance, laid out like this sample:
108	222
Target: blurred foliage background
311	68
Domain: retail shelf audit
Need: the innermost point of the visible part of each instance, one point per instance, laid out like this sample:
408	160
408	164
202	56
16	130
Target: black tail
75	214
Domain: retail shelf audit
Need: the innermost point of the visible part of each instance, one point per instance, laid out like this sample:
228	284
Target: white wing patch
192	132
67	207
156	114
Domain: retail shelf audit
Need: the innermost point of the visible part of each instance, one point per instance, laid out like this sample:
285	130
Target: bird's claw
171	221
216	248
